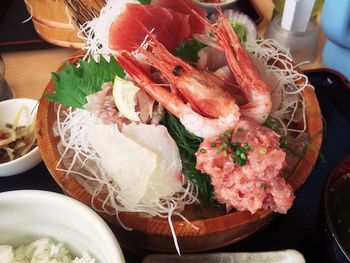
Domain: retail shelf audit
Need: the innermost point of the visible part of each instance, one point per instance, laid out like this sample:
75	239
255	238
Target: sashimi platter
184	130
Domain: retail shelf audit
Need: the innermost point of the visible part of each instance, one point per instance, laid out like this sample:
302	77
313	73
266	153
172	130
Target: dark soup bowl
336	206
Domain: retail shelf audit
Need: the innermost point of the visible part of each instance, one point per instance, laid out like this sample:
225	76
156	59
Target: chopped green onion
222	146
239	152
263	186
234	145
228	134
225	143
213	144
241	162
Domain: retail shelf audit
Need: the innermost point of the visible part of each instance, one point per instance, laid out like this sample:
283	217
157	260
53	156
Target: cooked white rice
43	250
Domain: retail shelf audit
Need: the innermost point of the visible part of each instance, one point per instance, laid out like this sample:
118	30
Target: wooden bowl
53	22
215	228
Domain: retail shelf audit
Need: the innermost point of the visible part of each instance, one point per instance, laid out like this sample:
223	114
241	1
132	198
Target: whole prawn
202	106
249	80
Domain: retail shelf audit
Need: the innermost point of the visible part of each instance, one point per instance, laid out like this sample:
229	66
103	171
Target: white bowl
27	215
211	7
8	111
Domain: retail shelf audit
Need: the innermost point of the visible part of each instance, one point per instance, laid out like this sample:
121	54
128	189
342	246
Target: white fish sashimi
129	164
137	170
167	178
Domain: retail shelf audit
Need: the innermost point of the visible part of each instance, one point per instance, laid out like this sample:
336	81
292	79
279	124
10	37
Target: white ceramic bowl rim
17	160
35	150
52	198
226	2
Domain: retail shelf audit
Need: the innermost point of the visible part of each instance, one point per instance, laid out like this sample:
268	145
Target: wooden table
28	72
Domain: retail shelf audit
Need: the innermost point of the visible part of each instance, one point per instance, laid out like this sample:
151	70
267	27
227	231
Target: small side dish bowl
211	7
337	214
8	111
28	215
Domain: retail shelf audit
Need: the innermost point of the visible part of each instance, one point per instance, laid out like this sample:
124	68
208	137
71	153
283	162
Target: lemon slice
124	92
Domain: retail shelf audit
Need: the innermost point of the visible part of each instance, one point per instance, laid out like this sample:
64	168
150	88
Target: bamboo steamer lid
53	22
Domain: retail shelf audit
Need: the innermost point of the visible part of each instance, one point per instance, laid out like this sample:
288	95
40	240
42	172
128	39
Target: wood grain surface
53	22
214	229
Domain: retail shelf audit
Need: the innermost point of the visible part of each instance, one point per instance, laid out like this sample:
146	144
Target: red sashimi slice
184	7
130	28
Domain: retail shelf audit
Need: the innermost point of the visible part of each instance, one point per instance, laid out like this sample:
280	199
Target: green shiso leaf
145	2
188	145
188	50
239	30
73	84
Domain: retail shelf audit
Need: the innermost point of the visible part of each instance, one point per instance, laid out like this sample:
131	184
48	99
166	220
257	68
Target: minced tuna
245	166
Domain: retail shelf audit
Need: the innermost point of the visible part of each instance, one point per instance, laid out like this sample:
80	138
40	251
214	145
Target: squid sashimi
245	167
130	28
185	7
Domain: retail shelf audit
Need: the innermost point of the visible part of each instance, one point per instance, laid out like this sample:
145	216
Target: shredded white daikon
30	11
291	83
95	33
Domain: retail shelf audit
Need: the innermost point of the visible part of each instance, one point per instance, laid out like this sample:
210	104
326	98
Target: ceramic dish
28	215
211	7
336	213
8	111
281	256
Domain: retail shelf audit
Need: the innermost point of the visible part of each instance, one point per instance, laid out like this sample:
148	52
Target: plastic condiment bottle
295	30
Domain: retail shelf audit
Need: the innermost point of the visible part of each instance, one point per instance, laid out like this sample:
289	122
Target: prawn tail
256	110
